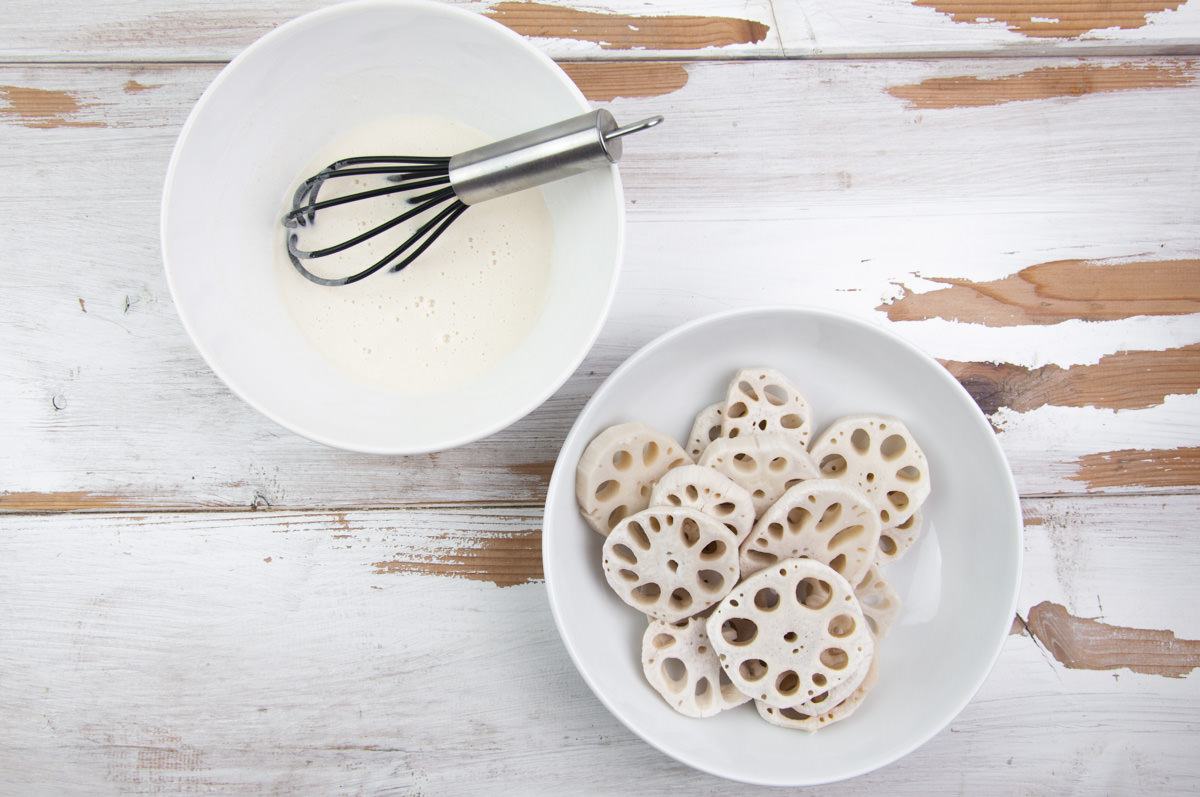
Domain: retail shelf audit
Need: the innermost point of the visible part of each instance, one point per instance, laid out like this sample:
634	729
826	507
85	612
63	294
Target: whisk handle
540	156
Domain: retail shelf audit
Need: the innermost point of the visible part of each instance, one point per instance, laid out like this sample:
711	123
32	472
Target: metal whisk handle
540	156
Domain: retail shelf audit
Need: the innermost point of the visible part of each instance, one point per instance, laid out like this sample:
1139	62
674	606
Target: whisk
442	188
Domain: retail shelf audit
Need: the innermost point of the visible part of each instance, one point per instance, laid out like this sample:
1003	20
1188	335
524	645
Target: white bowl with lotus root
865	423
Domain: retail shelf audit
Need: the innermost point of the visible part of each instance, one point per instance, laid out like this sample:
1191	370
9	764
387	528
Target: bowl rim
565	470
316	18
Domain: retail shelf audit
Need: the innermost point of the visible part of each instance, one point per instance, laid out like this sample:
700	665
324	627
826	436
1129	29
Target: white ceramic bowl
958	583
277	104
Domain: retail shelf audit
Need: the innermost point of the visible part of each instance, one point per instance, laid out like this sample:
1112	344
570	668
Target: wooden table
193	600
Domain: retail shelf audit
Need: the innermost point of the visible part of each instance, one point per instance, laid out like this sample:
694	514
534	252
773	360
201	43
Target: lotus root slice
670	563
763	400
896	541
800	719
823	519
790	632
766	465
617	470
709	491
880	602
705	428
681	665
878	455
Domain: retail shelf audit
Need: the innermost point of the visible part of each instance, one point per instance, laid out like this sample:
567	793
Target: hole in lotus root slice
759	559
745	463
637	533
661	641
711	581
847	536
766	599
739	631
892	446
714	550
791	421
753	669
647	593
861	440
830	517
746	388
618	514
628	575
798	519
835	658
681	599
675	674
702	694
788	683
842	626
833	465
689	532
776	395
838	563
650	453
813	593
617	469
624	553
607	490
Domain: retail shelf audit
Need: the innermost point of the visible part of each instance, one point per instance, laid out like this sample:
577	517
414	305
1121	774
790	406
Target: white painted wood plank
244	653
209	30
836	193
903	28
217	30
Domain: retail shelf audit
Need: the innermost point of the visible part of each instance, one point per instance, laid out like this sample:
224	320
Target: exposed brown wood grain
1077	80
1086	644
503	558
537	470
627	31
1061	290
1122	381
1054	18
44	108
67	501
603	81
1160	468
131	86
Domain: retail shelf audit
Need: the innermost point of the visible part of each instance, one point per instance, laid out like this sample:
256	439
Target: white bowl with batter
473	335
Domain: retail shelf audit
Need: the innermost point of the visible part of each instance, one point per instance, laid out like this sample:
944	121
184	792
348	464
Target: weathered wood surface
192	600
